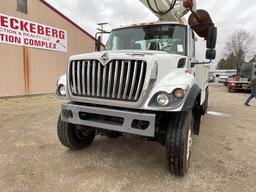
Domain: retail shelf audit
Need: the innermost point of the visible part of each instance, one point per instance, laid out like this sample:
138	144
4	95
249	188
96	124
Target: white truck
146	82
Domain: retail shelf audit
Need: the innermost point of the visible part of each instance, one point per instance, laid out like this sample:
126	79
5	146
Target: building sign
16	31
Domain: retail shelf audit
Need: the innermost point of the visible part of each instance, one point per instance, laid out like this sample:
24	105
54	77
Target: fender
193	93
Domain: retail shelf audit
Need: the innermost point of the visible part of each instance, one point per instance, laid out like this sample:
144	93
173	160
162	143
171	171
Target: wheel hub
80	134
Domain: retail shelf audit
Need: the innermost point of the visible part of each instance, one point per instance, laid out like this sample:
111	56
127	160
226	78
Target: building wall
43	67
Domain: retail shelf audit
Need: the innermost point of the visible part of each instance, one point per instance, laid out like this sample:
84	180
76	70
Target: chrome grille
119	79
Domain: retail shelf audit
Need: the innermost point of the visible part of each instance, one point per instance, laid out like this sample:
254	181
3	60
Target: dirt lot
32	159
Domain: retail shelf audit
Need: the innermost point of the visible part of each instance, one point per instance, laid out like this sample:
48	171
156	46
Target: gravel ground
32	159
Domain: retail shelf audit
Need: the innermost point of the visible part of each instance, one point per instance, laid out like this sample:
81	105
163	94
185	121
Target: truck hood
120	52
166	61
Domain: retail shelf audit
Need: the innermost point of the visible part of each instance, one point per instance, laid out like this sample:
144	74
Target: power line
238	21
232	20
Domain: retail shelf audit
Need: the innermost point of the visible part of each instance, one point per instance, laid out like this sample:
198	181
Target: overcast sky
229	16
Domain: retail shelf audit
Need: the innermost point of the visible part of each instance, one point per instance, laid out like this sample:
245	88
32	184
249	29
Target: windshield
169	38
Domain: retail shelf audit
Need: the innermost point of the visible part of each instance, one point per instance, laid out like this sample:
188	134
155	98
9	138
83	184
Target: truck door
201	72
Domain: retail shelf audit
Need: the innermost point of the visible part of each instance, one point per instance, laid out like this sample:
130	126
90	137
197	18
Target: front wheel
74	136
179	143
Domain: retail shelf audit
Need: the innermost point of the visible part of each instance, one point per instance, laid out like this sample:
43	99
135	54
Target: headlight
179	93
163	99
62	90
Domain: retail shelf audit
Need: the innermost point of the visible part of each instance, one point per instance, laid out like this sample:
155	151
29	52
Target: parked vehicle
234	86
147	82
223	79
211	79
241	82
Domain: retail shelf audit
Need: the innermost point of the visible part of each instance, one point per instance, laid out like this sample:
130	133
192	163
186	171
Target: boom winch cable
158	11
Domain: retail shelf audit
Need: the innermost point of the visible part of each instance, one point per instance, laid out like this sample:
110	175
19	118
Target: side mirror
210	54
211	38
98	44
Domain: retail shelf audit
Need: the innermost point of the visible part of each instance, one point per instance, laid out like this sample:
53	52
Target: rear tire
113	134
73	136
197	113
231	90
206	102
196	120
179	143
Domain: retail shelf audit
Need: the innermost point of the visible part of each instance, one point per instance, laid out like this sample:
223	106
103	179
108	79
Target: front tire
179	143
73	136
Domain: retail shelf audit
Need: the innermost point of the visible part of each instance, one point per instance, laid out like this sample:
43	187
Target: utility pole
101	29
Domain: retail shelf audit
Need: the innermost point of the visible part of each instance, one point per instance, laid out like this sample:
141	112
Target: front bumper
102	118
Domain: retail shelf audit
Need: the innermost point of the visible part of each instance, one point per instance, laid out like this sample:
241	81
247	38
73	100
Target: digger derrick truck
146	82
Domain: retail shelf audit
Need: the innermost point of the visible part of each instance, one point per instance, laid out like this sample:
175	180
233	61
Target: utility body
146	82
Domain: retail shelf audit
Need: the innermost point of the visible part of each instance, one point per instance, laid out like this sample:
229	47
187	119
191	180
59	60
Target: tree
222	64
253	60
238	44
237	48
227	63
